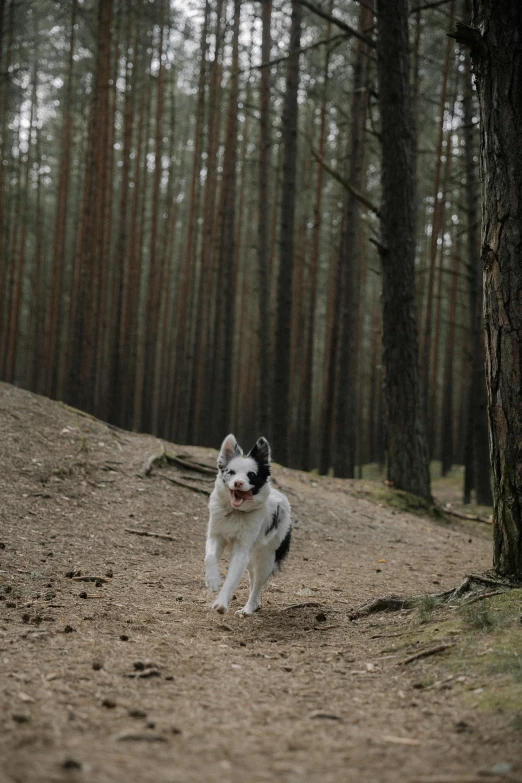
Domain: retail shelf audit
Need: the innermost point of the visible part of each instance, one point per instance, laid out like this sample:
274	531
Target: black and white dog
249	517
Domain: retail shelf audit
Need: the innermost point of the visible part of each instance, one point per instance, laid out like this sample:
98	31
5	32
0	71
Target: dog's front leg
236	569
213	550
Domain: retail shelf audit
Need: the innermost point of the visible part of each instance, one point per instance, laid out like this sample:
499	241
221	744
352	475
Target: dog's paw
247	610
220	607
213	582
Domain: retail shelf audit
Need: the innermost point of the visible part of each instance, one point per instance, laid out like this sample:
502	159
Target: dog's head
245	478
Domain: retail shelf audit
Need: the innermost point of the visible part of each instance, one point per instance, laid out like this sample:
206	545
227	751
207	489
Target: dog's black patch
283	548
275	521
260	453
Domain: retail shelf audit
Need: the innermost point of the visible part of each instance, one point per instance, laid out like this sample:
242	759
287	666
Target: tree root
426	653
385	603
201	490
471	589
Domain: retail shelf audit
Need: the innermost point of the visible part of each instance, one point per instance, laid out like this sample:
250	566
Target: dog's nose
238	484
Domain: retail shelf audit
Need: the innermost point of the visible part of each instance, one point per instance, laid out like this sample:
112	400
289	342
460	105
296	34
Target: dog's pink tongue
238	497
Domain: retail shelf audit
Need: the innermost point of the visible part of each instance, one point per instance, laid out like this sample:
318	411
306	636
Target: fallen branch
426	653
90	579
469	517
301	606
149	534
202	490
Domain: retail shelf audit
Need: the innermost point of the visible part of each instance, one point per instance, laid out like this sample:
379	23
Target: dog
250	518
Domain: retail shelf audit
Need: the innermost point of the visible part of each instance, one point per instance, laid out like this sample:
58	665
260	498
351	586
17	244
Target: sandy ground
134	679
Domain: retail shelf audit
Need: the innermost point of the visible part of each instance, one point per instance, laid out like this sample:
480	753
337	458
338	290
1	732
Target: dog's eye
231	472
252	476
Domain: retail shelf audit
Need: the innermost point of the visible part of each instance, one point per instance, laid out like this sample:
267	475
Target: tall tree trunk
436	222
478	466
345	446
52	358
199	415
447	417
308	359
6	39
226	250
408	465
265	141
281	384
121	253
497	62
152	311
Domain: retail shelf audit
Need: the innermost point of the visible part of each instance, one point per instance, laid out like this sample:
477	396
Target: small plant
478	616
426	606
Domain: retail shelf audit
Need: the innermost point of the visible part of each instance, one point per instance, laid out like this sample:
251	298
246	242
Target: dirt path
298	695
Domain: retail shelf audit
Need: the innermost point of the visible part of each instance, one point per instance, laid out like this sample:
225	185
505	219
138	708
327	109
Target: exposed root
471	589
202	490
425	653
385	603
183	462
155	459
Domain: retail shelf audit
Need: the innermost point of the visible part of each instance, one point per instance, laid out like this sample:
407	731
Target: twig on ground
426	653
302	605
148	533
90	579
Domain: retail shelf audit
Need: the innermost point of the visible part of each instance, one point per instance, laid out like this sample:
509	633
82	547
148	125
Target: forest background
189	218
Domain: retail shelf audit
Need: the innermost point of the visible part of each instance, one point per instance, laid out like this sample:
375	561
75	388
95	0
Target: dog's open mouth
238	497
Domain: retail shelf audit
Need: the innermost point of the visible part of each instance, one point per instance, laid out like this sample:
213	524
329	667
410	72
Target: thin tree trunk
345	445
152	312
447	417
436	224
199	415
52	358
281	385
478	468
265	141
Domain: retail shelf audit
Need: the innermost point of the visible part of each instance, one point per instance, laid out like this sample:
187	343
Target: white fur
243	531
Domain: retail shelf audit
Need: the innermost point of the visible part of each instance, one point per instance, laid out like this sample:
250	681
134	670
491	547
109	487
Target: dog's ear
261	452
230	448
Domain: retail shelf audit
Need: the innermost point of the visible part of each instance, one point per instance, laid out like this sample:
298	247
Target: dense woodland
190	218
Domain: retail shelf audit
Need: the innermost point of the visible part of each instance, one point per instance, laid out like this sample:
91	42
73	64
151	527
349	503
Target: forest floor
133	678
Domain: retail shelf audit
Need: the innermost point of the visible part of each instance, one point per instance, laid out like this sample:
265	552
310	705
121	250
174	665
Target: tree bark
263	331
478	466
408	465
281	385
497	62
349	267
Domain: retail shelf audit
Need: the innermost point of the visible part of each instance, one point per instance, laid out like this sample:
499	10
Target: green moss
488	649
